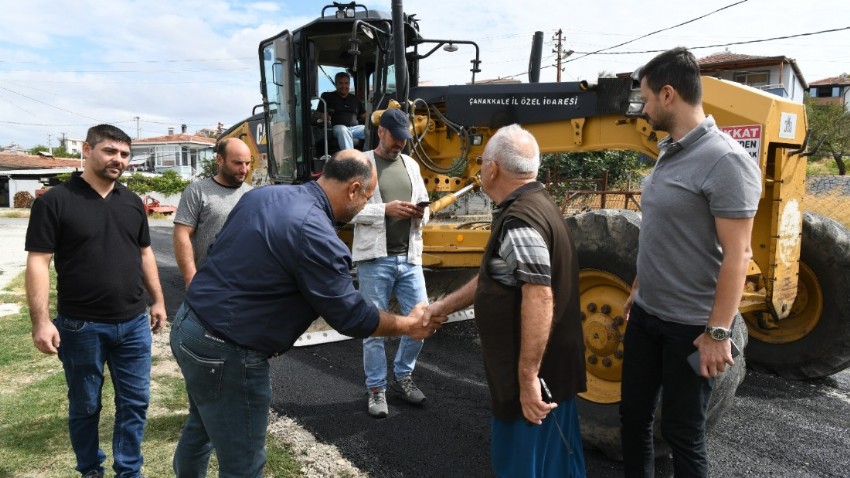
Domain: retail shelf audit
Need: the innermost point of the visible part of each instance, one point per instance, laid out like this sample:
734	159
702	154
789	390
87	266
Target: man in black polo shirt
345	112
96	230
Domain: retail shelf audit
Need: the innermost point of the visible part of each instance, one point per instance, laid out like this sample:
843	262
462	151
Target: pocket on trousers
203	375
256	360
70	325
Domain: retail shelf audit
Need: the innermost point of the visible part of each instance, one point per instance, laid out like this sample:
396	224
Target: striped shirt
522	257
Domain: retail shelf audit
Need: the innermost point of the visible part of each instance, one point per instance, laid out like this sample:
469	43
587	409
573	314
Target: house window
167	155
824	92
753	78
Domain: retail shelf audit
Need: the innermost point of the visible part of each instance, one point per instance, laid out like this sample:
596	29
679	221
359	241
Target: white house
184	153
779	75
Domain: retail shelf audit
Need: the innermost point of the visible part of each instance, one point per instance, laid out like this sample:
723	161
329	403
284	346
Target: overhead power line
831	30
188	60
586	54
785	37
47	104
56	125
657	31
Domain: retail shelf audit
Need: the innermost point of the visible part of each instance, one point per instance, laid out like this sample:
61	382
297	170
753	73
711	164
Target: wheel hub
602	297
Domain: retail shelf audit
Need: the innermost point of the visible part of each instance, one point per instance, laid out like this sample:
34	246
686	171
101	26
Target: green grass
33	409
821	167
15	213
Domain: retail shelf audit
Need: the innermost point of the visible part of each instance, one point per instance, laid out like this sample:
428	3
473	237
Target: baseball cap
396	121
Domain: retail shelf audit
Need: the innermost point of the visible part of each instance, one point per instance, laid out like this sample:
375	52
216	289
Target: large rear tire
814	341
607	244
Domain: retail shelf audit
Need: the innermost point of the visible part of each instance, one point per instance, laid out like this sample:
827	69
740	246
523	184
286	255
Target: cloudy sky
67	65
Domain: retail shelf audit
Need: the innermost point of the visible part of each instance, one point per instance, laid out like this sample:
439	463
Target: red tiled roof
176	138
729	57
28	161
727	60
842	79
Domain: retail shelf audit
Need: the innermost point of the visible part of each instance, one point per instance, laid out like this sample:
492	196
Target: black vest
497	309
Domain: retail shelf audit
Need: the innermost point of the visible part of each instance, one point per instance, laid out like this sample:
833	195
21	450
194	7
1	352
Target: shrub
23	199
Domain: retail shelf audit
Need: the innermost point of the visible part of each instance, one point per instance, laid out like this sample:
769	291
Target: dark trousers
655	364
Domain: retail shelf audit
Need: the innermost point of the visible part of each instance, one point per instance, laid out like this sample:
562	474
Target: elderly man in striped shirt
526	300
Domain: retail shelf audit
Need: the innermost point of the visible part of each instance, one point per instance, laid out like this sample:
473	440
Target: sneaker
378	403
93	474
409	390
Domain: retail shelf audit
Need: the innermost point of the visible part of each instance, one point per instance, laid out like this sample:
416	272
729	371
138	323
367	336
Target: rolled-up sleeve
370	214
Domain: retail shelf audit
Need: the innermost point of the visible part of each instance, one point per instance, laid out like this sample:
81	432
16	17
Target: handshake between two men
419	324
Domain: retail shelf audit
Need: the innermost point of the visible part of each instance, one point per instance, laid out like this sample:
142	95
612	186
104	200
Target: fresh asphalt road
776	428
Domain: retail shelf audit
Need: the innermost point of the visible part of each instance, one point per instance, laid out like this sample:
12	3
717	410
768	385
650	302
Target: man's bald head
234	161
349	164
349	180
229	146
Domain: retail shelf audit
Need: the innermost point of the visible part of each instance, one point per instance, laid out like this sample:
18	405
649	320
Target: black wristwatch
718	333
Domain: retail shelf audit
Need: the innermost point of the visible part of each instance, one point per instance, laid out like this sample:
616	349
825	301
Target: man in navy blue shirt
275	266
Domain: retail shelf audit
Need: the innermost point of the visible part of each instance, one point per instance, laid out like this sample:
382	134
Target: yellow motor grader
795	306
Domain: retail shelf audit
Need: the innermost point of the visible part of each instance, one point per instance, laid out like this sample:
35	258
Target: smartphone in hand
544	391
693	358
423	204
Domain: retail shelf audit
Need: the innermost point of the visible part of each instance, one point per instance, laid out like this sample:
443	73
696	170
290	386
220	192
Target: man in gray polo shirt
205	204
694	249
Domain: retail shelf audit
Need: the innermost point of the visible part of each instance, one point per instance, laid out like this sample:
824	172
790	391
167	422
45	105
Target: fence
825	195
829	196
597	196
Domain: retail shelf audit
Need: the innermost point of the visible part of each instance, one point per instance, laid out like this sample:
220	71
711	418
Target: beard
232	179
351	210
661	123
389	153
108	173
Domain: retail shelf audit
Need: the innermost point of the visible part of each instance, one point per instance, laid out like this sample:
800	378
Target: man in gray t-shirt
693	253
205	204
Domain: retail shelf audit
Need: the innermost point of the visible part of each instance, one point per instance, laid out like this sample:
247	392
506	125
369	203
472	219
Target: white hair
516	150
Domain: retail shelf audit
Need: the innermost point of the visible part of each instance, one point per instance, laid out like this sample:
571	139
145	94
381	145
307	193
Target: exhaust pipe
536	58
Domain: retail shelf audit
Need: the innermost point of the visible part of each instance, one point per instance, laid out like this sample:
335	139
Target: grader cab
795	304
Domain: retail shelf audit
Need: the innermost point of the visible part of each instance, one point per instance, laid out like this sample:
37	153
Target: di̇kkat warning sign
748	136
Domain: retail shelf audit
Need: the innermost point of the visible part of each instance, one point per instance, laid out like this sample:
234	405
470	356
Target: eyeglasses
479	160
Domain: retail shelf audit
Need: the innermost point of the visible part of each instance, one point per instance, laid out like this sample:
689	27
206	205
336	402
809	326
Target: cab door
279	86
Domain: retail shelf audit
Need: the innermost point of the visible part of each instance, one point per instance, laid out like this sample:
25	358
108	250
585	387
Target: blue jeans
552	449
655	363
126	348
346	135
379	279
229	397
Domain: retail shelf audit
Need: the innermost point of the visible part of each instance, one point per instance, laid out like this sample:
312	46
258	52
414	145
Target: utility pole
49	147
138	131
561	54
558	49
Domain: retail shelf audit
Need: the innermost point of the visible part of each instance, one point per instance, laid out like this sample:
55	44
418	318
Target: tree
591	165
560	167
138	183
832	120
168	183
58	152
209	169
